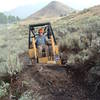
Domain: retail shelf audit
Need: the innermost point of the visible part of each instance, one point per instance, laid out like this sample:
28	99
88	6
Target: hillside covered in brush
85	21
79	36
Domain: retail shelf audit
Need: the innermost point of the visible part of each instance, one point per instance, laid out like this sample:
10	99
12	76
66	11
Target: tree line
4	19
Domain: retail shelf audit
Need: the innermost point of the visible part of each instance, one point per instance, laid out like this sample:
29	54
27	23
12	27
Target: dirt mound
50	83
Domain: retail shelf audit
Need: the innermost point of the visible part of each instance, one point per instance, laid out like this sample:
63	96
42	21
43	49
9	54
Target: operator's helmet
41	31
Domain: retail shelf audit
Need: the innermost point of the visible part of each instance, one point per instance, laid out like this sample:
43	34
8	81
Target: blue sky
6	5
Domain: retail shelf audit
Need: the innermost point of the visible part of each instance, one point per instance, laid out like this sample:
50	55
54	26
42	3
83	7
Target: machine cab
48	56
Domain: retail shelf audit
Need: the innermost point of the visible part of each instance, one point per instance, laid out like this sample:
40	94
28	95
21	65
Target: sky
7	5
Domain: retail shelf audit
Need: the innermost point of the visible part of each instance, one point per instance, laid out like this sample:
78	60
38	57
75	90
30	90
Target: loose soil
52	83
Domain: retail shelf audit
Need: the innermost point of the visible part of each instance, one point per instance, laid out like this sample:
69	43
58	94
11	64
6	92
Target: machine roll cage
49	31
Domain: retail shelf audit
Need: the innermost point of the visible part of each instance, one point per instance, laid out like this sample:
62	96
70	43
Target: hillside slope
53	9
79	36
83	21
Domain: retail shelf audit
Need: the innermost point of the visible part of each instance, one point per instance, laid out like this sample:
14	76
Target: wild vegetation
79	40
8	19
81	37
13	40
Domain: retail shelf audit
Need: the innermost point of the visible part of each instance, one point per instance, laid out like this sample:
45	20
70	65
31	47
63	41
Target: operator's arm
45	34
36	42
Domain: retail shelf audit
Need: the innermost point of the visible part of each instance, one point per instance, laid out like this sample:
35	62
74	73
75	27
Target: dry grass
13	40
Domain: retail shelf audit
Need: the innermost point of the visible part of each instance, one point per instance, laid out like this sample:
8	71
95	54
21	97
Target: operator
41	41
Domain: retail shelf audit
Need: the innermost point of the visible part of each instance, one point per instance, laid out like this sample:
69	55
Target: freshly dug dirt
51	83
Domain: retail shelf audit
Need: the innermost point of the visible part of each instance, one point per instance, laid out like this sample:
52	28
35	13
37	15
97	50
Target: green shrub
3	89
79	47
30	95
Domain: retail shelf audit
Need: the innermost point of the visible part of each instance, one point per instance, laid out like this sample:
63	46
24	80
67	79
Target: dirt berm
52	83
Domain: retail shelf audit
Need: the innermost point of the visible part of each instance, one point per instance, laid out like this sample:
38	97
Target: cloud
6	5
81	4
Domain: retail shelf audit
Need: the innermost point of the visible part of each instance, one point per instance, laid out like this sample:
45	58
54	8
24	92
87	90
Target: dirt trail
51	83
